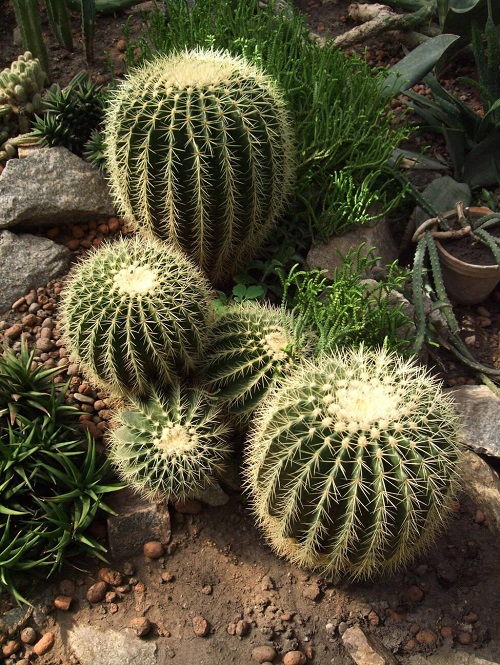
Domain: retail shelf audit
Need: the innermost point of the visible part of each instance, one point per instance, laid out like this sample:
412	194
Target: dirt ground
217	566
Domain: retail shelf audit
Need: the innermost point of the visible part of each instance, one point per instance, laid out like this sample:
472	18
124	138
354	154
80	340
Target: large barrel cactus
198	150
135	312
171	445
353	463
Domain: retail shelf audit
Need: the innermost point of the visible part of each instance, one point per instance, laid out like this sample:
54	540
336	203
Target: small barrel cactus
353	463
251	346
134	312
172	445
198	151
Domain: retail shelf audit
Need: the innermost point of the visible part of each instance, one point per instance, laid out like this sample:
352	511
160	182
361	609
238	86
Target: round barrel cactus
171	445
353	463
133	312
251	347
198	151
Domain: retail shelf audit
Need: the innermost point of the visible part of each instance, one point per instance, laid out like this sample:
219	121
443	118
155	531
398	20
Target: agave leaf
482	163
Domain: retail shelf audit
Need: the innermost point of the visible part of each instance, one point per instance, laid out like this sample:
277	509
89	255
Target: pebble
415	594
242	628
201	627
153	549
188	506
63	602
123	588
84	399
44	644
446	631
264	654
128	568
10	648
96	592
110	576
426	636
464	638
140	587
28	635
110	597
373	618
14	331
166	576
141	626
471	617
207	590
312	591
294	658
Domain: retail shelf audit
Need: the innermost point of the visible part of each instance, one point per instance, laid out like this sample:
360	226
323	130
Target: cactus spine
134	311
198	149
173	445
353	462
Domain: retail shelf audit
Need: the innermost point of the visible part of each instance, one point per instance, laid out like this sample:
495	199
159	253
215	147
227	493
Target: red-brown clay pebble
14	331
111	596
446	631
141	626
10	648
28	635
44	644
464	638
294	658
415	628
426	636
471	617
73	244
110	576
263	654
397	617
96	592
188	506
113	224
479	517
415	594
242	627
410	645
201	627
63	603
153	549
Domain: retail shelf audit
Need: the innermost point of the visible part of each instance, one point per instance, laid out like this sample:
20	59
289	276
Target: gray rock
137	522
213	495
366	649
110	647
325	256
451	658
482	484
27	262
479	411
52	186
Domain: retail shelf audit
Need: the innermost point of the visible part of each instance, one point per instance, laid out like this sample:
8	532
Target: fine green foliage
70	115
51	482
252	347
353	462
135	312
345	311
171	445
199	152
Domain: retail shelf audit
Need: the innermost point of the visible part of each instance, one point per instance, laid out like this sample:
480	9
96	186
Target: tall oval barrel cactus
353	463
199	152
172	445
134	312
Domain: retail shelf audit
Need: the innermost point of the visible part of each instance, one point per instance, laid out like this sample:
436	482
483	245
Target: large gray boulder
93	646
478	410
27	262
49	187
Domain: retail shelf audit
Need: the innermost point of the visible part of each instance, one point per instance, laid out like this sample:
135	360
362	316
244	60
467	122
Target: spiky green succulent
199	152
171	445
353	462
251	347
134	312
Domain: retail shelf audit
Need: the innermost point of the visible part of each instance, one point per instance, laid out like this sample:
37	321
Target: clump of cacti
353	463
135	312
251	347
173	445
199	152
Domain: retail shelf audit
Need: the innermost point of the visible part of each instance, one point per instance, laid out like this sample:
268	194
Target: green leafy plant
135	312
199	152
171	445
352	463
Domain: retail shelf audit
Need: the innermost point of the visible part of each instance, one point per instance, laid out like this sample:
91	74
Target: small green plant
352	463
171	445
51	482
199	152
135	312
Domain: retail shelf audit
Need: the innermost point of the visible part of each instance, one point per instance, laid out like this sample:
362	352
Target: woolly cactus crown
353	462
198	148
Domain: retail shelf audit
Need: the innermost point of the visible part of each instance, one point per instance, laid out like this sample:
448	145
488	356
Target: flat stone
110	647
479	412
213	495
455	657
482	484
52	186
366	649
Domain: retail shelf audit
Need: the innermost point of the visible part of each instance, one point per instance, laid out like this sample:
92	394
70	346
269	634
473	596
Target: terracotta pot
467	283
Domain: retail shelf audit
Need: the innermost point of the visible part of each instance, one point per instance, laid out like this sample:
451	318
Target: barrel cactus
353	463
199	152
251	347
171	445
135	312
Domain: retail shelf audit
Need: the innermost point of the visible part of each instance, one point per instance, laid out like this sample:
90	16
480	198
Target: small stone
471	617
482	311
415	594
96	592
110	597
479	517
294	658
44	644
263	653
464	638
28	635
10	648
14	331
141	626
128	568
23	661
470	340
207	590
446	631
201	627
188	507
112	577
44	345
30	320
83	399
113	608
153	549
309	652
373	618
72	369
123	588
140	587
166	576
231	629
242	627
63	603
287	616
267	583
312	591
410	645
426	636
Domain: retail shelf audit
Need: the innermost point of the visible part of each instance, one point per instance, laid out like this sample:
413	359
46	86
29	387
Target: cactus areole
353	463
198	150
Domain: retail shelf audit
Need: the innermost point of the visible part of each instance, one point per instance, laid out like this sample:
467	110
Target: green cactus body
353	463
198	149
252	346
133	312
172	445
22	81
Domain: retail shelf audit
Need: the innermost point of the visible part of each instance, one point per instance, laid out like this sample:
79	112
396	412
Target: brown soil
220	568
